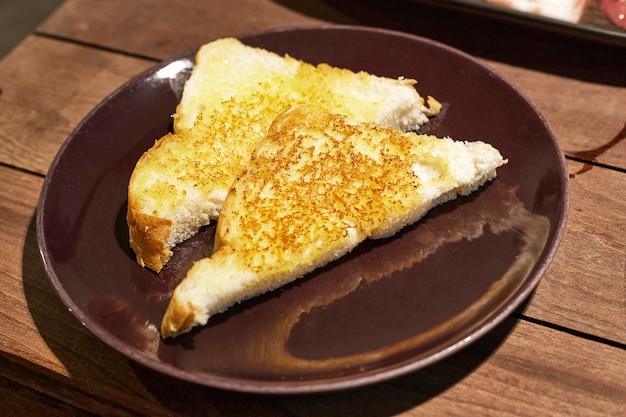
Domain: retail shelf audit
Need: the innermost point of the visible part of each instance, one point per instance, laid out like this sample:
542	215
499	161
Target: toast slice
317	185
228	103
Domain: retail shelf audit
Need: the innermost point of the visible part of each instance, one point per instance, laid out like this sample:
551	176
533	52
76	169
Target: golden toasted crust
228	104
180	316
147	235
317	185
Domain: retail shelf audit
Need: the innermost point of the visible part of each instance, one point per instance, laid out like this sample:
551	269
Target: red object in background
616	11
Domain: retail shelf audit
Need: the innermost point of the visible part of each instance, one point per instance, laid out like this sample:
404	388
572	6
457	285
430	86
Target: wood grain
588	119
517	370
18	198
47	87
590	266
169	28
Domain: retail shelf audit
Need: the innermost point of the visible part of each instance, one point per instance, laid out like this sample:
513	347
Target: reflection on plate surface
388	308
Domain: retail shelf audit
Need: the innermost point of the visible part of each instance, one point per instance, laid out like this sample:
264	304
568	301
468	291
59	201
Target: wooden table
561	353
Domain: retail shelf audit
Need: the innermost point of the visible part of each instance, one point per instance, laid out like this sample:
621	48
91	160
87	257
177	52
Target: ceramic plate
389	308
594	22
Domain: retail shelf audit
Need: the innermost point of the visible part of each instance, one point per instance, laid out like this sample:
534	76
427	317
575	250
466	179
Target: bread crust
147	236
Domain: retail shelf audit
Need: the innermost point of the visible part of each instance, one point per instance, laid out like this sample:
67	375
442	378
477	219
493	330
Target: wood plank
589	268
115	23
518	369
39	332
44	393
587	118
47	88
23	283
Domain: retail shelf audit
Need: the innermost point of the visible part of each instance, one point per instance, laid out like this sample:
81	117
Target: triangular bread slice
317	185
228	103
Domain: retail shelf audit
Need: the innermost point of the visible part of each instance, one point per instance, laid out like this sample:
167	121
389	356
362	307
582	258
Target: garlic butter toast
316	186
228	103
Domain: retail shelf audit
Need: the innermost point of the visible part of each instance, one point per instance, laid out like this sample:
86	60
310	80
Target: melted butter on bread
228	103
316	186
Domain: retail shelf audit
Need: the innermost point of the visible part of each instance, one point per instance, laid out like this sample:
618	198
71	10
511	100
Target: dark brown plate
389	308
593	24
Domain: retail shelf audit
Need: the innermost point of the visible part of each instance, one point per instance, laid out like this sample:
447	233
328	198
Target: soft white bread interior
317	185
228	103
